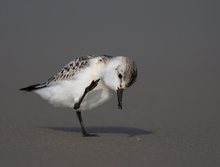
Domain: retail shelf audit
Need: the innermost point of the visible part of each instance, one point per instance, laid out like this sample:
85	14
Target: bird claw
90	135
92	85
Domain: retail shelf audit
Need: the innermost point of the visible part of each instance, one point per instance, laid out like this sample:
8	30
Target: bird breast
96	97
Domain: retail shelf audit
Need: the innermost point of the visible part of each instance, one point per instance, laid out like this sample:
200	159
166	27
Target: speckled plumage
87	82
67	86
74	66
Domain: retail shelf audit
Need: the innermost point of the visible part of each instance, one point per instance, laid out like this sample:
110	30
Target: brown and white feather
75	66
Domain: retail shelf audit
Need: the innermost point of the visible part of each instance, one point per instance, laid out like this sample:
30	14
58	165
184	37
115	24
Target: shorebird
87	82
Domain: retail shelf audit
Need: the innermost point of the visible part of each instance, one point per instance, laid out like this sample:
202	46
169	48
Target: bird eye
119	76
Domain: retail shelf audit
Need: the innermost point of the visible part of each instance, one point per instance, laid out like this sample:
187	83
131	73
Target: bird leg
77	106
84	132
87	90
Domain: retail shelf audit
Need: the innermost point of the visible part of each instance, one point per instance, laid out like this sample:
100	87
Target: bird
87	82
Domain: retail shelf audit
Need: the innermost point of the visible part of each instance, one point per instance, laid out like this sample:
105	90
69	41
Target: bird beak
120	93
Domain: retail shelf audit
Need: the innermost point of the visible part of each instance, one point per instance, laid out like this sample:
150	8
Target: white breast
66	93
96	97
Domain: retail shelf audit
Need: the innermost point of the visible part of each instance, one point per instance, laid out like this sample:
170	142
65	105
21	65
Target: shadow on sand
108	130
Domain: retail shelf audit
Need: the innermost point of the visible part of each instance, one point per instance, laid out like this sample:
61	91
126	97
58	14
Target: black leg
87	90
84	132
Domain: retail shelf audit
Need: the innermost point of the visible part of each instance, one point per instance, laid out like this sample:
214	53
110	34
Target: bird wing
67	72
73	67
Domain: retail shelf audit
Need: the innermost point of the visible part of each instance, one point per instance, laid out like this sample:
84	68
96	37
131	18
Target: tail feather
33	87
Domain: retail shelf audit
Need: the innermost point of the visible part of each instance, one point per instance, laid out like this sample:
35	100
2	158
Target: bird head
120	73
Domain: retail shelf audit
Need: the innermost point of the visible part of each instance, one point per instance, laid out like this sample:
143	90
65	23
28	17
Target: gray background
171	115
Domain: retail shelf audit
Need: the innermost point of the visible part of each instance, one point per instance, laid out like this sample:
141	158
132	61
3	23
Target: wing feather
73	67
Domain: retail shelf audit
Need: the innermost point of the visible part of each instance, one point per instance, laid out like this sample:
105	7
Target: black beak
120	93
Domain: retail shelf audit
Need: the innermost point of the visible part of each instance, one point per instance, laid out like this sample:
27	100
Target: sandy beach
170	117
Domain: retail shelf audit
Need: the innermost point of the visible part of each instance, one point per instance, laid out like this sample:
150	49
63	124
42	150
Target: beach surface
170	117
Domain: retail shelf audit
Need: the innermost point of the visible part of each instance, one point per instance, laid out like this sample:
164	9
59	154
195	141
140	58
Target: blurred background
170	116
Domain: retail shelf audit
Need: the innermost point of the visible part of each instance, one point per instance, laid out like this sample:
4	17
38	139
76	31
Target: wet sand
170	116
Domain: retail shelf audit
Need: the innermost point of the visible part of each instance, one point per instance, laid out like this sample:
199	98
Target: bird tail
33	87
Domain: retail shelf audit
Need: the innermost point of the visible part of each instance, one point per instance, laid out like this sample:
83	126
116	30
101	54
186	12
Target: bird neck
109	73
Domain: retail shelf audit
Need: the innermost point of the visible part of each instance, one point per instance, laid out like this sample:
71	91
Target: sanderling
87	82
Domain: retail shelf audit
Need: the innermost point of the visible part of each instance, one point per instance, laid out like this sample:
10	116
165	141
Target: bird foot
92	85
90	135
